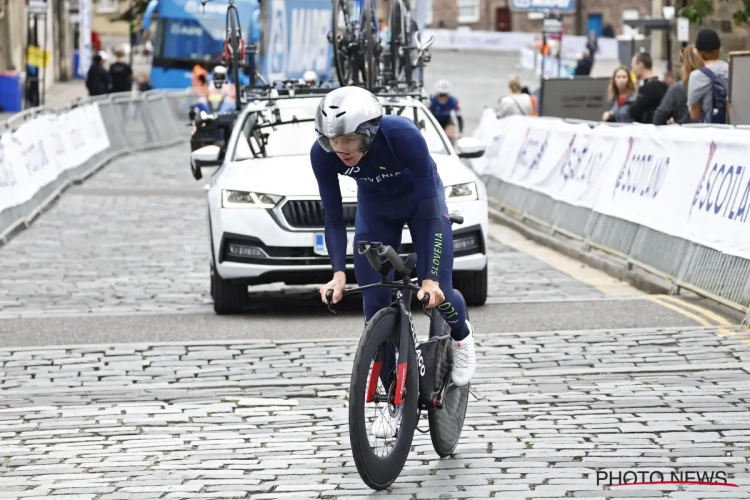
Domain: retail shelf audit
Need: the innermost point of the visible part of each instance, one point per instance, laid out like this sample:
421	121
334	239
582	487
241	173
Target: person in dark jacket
623	93
651	92
673	108
97	80
121	74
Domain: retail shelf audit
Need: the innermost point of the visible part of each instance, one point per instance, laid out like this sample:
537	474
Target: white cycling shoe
464	359
385	425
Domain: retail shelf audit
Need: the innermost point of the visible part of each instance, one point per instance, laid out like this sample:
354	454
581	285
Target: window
468	11
295	139
107	6
188	39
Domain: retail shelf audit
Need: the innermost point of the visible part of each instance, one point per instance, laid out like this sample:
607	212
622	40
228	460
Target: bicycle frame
405	287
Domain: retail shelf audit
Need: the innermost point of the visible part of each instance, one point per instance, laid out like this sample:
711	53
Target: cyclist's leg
453	309
370	225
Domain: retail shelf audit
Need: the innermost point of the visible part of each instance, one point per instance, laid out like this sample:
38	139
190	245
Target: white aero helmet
348	110
442	87
310	77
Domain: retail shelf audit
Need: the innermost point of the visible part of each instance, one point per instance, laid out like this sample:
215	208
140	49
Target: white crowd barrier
671	198
43	151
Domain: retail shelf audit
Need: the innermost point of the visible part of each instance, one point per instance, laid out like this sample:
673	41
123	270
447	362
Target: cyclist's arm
411	149
330	195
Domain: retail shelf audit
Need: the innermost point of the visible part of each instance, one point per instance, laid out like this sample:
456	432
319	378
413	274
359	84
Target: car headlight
462	192
244	199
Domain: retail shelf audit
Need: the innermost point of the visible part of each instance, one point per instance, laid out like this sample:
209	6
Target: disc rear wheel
447	422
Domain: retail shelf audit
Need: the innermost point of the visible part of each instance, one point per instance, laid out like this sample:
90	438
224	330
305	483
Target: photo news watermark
648	477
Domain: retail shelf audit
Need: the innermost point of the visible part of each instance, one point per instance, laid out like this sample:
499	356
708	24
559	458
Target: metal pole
27	83
44	60
131	21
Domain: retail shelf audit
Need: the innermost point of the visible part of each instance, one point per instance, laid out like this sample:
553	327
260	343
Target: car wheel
229	298
472	285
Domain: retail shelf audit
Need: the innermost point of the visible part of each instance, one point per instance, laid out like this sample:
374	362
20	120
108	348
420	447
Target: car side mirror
470	147
207	156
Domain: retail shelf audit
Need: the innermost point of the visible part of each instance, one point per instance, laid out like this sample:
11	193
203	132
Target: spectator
121	74
623	93
673	108
592	44
517	103
526	91
144	85
608	31
652	89
97	80
585	64
707	86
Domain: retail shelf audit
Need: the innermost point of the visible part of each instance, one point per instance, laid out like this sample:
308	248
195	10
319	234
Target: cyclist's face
347	148
442	98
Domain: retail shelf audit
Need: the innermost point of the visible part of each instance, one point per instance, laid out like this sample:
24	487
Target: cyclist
444	106
310	78
397	183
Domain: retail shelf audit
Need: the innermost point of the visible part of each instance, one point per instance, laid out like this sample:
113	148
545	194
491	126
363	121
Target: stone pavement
268	419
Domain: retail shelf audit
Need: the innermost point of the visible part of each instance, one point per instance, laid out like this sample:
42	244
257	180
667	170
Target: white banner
512	41
691	183
43	148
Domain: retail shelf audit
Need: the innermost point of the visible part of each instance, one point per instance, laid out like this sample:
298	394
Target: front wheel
376	359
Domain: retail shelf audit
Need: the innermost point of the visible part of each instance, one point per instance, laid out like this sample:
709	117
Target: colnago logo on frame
652	476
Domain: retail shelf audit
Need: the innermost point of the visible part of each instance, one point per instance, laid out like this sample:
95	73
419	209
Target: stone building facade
496	15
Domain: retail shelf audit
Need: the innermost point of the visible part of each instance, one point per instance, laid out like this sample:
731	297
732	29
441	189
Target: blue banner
562	6
297	39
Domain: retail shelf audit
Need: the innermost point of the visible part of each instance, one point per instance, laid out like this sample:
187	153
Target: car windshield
290	131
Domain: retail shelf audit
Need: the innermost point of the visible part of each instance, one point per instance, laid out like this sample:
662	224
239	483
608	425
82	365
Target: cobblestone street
269	419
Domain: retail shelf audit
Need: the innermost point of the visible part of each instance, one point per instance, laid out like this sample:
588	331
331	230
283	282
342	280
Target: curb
614	267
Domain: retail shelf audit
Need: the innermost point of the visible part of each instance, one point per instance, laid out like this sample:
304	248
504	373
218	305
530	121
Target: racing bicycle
419	380
356	44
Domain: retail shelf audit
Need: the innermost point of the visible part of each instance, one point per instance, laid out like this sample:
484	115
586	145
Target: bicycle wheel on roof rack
341	32
396	25
370	61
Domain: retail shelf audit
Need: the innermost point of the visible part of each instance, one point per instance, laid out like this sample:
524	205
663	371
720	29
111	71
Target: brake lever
329	298
426	300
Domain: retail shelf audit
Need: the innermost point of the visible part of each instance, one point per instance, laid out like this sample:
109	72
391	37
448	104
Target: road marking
720	320
573	268
608	285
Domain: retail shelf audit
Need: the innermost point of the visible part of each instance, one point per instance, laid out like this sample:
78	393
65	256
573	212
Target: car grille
309	214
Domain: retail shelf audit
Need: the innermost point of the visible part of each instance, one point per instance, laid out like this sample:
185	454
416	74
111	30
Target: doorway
503	19
595	25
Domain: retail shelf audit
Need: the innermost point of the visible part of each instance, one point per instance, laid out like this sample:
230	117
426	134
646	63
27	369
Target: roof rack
295	89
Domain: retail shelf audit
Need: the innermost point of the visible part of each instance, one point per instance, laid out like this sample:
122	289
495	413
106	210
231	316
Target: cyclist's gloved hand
337	284
436	294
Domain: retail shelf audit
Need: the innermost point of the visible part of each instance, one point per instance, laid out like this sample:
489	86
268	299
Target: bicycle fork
383	358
